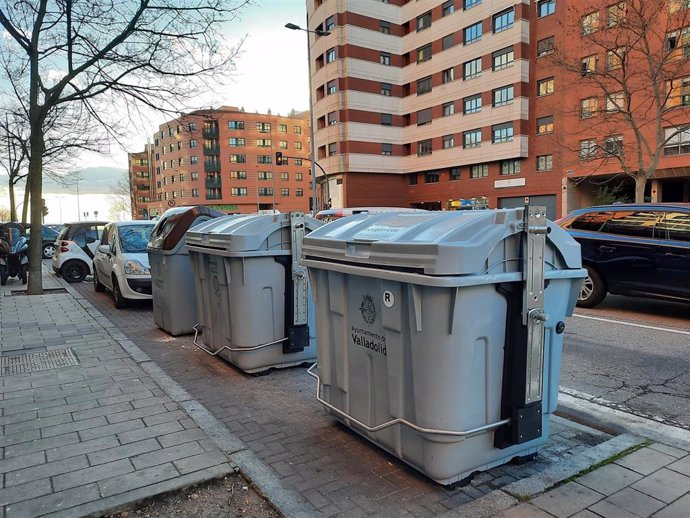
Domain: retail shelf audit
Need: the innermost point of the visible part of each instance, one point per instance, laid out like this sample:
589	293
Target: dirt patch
230	496
46	291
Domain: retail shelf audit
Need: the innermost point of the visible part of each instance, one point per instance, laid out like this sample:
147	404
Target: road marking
654	328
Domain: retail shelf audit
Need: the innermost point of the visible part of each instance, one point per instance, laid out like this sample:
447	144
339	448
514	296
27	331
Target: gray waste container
254	301
172	279
439	335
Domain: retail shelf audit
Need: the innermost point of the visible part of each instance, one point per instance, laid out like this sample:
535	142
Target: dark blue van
633	249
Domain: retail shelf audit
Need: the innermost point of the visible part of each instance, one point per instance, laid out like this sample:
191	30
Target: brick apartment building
140	183
427	102
225	158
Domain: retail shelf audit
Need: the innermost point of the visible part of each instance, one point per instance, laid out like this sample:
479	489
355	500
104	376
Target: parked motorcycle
14	259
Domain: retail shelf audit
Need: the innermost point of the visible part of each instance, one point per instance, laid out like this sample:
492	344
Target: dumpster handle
387	424
231	349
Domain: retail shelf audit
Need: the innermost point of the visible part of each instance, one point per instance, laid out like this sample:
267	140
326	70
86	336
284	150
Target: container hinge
298	330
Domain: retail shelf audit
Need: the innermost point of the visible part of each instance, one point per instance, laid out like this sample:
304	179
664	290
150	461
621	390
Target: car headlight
133	267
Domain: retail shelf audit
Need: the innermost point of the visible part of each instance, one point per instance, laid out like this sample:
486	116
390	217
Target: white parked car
74	249
121	263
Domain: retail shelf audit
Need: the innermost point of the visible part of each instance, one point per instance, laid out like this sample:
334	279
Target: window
424	21
588	107
285	177
284	191
628	223
424	116
238	159
545	7
615	58
329	24
264	159
412	179
503	96
613	145
386	149
589	65
502	132
447	8
447	75
264	175
588	149
236	125
424	147
331	87
195	193
193	159
472	33
454	174
431	177
238	191
385	27
545	86
211	194
330	55
263	127
544	125
448	109
504	20
472	104
679	92
674	226
297	130
509	167
263	142
545	46
468	4
386	89
298	161
238	175
615	14
589	23
448	41
677	141
479	170
193	143
386	119
544	162
424	53
282	128
424	85
283	144
385	58
299	193
332	149
298	177
195	176
298	145
472	69
471	138
265	191
448	141
502	58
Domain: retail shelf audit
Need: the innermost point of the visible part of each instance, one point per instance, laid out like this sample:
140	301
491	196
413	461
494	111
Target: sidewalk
67	445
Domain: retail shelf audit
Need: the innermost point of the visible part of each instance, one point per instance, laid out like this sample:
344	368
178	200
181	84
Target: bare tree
630	86
118	53
121	196
13	157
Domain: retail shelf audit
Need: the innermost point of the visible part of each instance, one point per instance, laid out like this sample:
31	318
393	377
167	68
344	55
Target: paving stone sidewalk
83	439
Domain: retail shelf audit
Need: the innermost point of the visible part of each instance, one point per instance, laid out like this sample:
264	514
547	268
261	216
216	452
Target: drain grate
46	291
32	362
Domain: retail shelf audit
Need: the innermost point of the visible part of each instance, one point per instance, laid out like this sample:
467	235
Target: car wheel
120	301
593	290
48	250
97	285
74	271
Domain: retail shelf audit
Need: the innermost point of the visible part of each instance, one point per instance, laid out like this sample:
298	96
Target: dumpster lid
173	224
437	243
247	233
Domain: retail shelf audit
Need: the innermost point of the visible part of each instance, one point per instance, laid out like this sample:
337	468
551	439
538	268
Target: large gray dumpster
439	335
254	300
172	279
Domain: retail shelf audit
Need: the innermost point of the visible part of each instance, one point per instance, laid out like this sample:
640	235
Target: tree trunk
640	184
35	187
25	207
13	208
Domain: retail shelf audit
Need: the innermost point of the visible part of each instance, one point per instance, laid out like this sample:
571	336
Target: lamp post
312	145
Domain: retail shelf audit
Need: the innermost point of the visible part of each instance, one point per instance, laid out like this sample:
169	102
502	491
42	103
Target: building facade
225	158
426	103
140	183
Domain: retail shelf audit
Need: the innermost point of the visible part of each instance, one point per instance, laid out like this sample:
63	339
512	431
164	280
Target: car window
79	236
134	238
64	232
632	223
674	226
592	221
49	234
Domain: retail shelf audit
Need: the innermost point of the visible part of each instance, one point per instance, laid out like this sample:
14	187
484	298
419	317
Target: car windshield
134	238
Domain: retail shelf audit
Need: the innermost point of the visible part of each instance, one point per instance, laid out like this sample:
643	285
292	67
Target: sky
271	73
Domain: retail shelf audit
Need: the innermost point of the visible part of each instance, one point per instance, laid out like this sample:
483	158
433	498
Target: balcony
213	183
212	167
211	150
210	132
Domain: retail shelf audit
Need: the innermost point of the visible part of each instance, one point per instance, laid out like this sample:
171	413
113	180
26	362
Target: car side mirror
104	249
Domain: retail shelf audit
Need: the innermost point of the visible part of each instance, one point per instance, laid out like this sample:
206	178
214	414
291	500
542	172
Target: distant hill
93	180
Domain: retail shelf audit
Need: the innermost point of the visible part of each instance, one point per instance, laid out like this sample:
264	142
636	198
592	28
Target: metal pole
312	144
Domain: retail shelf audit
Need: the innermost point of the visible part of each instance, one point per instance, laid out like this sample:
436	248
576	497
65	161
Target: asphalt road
633	354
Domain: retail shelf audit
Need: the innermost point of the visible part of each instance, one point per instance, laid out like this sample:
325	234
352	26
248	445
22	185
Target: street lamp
312	151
